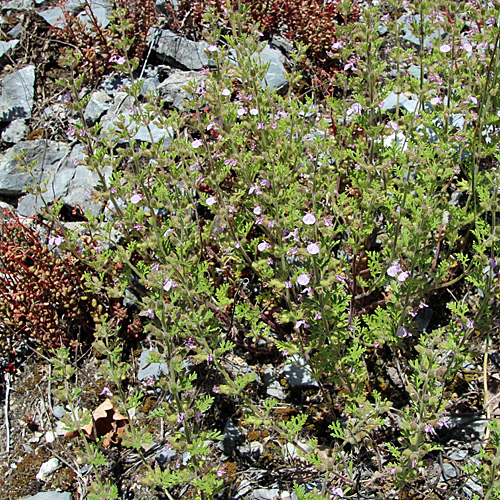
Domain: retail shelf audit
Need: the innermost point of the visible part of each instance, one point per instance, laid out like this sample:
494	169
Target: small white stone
47	469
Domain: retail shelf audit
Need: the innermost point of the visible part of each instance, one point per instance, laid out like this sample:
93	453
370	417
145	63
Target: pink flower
136	198
260	126
197	143
169	284
299	323
312	249
309	219
394	269
226	92
257	210
354	109
56	240
211	200
263	246
467	46
337	45
255	189
149	313
436	100
215	389
445	48
220	473
242	112
402	332
403	276
328	223
118	60
254	111
212	48
304	279
106	392
288	284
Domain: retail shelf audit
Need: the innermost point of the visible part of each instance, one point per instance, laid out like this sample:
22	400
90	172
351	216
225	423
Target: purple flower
354	109
212	48
429	429
337	45
211	200
254	111
257	210
328	223
317	315
216	389
255	189
309	219
338	492
470	324
242	112
288	284
467	46
166	234
445	48
394	269
138	227
149	313
436	100
260	126
402	332
118	60
169	284
292	234
263	245
270	224
180	418
231	162
136	198
403	276
197	143
265	183
190	344
304	279
71	132
312	249
226	92
392	124
56	240
220	473
106	392
299	323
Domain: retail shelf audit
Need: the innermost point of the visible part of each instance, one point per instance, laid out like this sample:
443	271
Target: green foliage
325	239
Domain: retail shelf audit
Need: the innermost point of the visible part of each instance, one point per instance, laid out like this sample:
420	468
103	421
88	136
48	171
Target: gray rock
54	17
275	76
98	104
298	372
382	29
148	369
6	48
58	411
448	472
48	154
414	71
165	455
458	455
15	132
18	5
177	50
50	495
100	8
282	43
47	468
17	92
391	101
172	89
423	318
408	21
410	105
232	438
471	488
265	494
15	31
273	386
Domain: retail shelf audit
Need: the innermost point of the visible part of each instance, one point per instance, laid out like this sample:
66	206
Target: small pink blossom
254	111
56	240
313	249
136	198
309	219
226	92
220	473
106	392
118	60
445	48
242	112
212	48
257	210
304	279
299	323
211	200
197	143
394	269
263	246
169	284
436	100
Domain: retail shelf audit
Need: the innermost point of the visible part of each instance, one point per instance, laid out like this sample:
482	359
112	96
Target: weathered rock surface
17	92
